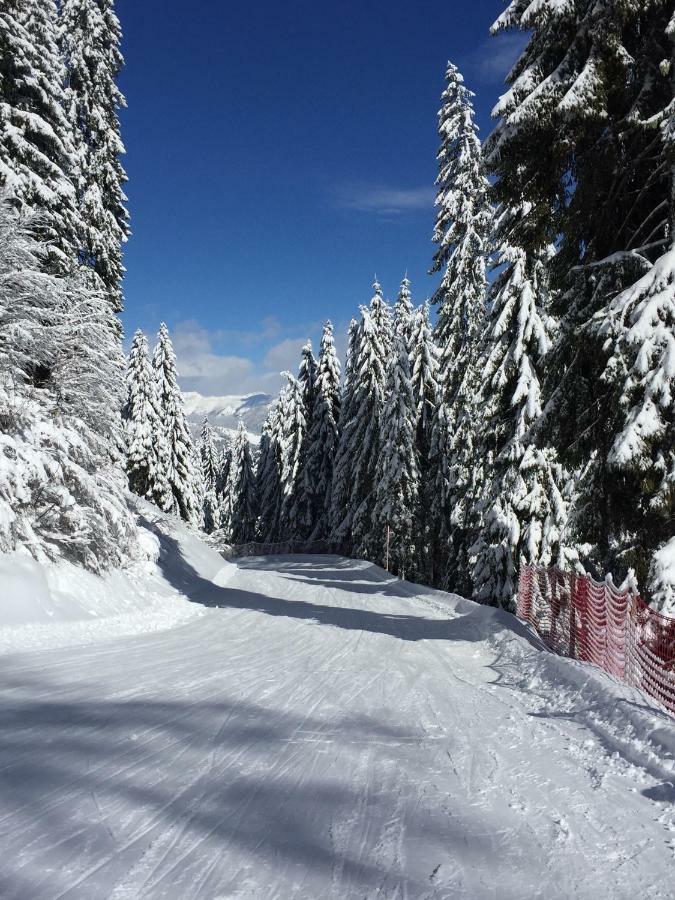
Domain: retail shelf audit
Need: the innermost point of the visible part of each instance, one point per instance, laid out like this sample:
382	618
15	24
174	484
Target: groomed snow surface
308	727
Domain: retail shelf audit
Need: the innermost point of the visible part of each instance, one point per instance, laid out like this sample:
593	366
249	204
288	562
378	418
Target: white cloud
285	355
384	201
204	368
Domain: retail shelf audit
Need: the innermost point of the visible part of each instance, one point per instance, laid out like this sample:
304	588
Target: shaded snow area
308	727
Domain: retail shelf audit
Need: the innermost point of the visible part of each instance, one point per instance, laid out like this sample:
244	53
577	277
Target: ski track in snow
324	731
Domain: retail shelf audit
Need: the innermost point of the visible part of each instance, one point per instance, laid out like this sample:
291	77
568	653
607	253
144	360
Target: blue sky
280	154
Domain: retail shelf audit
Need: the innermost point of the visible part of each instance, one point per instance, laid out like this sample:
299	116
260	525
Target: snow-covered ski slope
316	730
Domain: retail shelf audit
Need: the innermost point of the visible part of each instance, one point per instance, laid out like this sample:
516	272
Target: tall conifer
583	139
243	490
397	477
147	451
181	470
324	435
90	37
340	506
36	150
364	432
462	229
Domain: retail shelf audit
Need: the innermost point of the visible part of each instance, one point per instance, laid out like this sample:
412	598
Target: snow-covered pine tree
340	517
36	150
523	511
397	477
293	428
404	312
202	506
146	448
223	461
364	431
583	140
181	472
466	473
383	320
62	485
304	508
440	497
223	516
89	38
208	456
307	379
639	325
268	476
242	490
324	435
209	466
463	226
426	391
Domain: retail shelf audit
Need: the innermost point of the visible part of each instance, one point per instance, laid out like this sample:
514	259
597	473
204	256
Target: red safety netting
594	622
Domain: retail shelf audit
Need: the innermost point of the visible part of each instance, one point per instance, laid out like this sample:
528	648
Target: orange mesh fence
594	622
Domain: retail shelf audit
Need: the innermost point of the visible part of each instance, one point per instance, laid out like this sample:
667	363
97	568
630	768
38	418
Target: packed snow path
325	733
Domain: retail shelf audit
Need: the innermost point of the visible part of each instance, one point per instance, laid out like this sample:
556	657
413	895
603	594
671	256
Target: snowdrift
56	605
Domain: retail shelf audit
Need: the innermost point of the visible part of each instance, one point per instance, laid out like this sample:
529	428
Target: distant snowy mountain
224	412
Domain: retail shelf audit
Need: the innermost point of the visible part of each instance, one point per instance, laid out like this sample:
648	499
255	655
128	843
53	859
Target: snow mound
59	604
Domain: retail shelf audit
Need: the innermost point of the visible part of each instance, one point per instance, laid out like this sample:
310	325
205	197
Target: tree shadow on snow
153	797
182	575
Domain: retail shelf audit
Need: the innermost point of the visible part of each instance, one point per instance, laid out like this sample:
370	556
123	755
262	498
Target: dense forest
525	415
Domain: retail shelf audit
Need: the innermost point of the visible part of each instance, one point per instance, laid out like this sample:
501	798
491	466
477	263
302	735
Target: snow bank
626	722
60	604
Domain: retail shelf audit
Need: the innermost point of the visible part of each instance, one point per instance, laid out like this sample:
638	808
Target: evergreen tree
90	37
381	314
466	474
293	428
62	492
147	452
268	476
209	469
440	495
340	508
243	490
404	313
36	151
463	226
462	229
364	432
524	514
223	461
181	470
304	504
639	325
224	515
324	435
397	479
584	141
307	379
209	462
426	392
